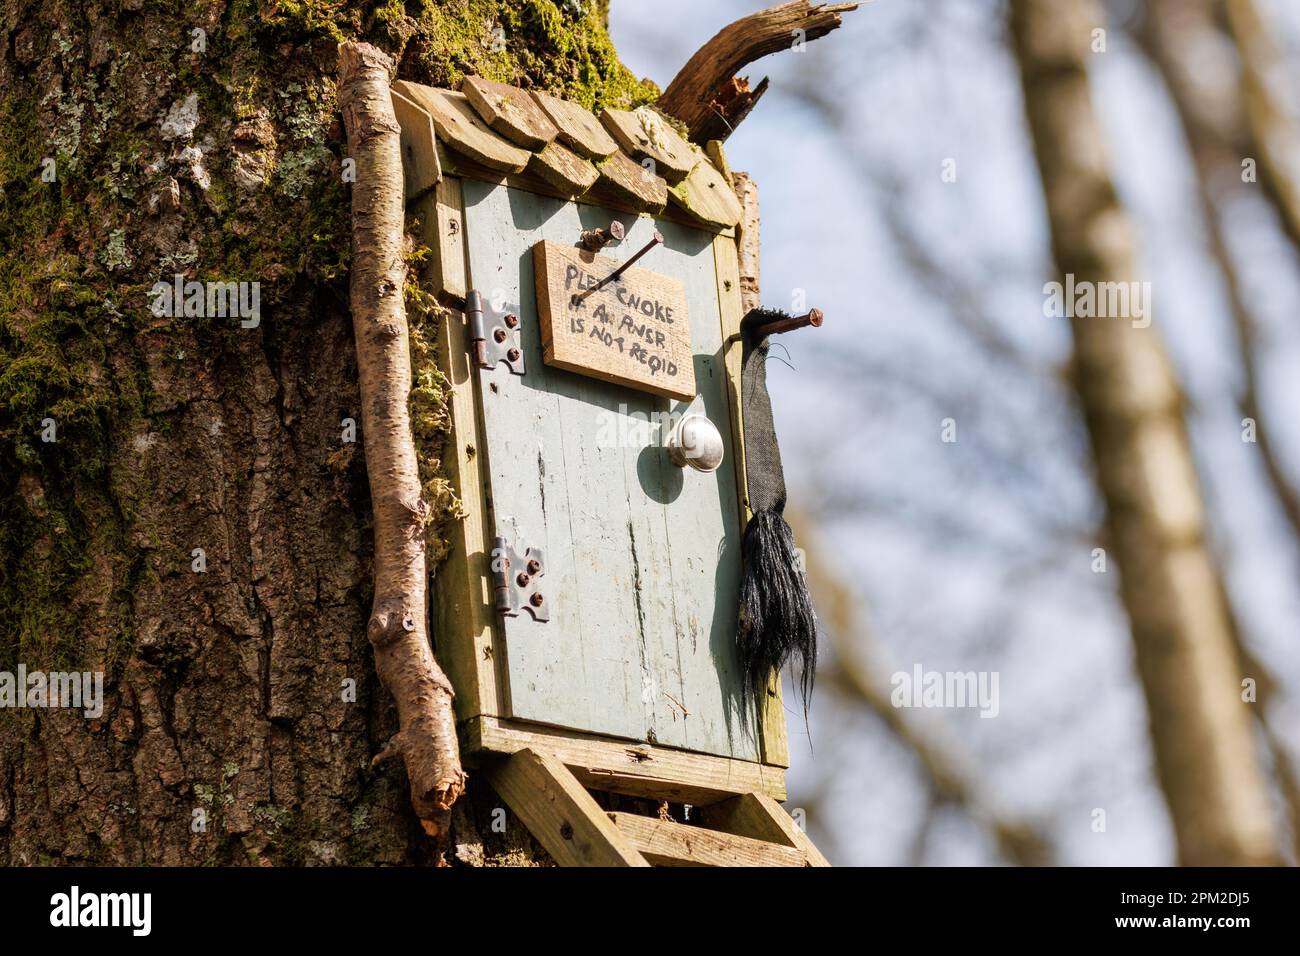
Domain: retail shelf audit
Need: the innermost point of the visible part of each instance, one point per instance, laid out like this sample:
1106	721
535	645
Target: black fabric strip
764	477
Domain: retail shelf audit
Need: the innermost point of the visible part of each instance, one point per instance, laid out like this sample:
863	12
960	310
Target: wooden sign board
635	331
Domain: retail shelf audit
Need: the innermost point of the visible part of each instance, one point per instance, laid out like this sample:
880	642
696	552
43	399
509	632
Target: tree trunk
1181	623
200	527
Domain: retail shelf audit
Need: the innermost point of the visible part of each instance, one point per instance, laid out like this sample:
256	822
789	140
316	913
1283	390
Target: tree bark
241	701
1182	625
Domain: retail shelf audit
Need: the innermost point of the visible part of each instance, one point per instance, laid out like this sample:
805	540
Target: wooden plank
634	332
420	166
706	194
705	628
569	173
631	183
634	769
771	710
464	622
560	813
669	843
510	111
759	816
644	134
461	128
776	748
446	267
747	246
713	149
772	706
578	128
549	483
728	279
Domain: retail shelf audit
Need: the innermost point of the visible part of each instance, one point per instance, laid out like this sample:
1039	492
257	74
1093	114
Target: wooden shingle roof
631	160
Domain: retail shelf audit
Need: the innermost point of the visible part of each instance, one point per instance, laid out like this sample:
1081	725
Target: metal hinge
516	580
493	333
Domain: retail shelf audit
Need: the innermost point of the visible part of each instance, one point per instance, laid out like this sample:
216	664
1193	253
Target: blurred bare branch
1275	136
1216	140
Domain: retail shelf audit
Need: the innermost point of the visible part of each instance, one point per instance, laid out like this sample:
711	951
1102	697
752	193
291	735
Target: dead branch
426	738
706	94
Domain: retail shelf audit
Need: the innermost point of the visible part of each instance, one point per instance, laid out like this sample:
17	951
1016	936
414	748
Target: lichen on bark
245	690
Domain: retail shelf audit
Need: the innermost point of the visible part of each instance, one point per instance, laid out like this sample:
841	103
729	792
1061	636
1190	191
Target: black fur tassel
777	620
777	624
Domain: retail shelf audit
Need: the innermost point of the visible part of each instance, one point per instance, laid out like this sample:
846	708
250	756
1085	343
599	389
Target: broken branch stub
398	632
706	95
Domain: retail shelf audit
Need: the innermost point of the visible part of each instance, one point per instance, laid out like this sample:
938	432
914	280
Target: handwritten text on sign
634	331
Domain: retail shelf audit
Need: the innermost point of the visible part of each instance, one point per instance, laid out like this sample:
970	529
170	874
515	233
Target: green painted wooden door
643	558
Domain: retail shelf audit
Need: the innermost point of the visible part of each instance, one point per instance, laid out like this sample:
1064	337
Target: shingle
644	134
578	128
509	111
462	129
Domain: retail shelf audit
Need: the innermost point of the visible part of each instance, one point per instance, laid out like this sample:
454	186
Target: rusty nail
813	317
654	241
537	599
596	239
534	566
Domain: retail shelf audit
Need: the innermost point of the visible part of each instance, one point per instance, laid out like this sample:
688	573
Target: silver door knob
695	441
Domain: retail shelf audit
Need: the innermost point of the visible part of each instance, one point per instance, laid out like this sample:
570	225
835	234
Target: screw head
534	566
512	320
499	334
537	599
513	355
522	580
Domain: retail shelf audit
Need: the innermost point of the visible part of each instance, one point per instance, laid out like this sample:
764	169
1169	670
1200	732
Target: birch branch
398	632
